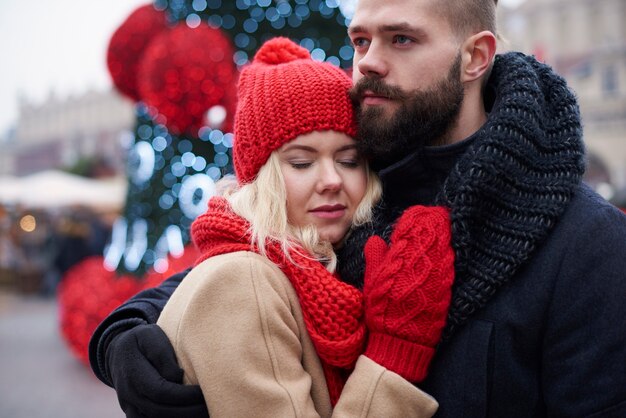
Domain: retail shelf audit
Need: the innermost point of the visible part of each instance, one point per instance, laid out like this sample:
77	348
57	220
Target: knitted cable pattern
332	309
507	191
407	291
411	278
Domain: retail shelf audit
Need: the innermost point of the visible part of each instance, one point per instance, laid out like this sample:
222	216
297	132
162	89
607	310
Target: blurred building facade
585	42
61	131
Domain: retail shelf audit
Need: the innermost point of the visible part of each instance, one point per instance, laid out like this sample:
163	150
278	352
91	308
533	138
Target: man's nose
373	62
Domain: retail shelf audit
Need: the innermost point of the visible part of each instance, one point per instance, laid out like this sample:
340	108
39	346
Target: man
536	325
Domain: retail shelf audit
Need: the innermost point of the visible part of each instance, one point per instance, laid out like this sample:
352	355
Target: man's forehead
370	14
392	22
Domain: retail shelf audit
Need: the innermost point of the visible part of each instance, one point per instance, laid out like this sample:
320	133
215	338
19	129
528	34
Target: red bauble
88	293
128	44
186	71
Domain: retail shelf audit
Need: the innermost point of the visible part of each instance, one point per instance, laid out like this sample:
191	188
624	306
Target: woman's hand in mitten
407	291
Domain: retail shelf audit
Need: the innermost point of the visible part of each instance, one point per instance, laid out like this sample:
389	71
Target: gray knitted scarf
507	191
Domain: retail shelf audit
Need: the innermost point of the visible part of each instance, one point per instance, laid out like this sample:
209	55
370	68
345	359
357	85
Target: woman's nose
329	178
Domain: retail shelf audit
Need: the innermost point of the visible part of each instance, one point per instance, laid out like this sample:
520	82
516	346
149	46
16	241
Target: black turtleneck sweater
419	178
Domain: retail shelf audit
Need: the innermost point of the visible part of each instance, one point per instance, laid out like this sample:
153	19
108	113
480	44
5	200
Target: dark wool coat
552	341
537	325
537	322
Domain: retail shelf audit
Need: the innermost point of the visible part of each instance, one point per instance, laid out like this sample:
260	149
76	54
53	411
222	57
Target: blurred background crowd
39	245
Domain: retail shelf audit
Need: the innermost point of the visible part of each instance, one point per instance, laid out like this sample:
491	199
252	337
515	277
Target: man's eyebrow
393	27
353	29
398	27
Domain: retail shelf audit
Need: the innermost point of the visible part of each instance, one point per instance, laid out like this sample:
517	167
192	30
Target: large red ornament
128	44
88	293
186	71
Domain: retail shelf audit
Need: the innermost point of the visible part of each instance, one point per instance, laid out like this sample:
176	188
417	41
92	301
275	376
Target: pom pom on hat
279	51
283	93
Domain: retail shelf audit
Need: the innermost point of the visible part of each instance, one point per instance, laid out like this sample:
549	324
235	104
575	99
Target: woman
261	323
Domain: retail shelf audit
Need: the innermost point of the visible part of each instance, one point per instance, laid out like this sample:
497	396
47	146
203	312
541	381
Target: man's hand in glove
148	381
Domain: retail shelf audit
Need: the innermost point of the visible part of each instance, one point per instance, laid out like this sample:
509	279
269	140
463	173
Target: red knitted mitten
407	291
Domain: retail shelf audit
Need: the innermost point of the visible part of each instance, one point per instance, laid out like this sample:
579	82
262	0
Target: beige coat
237	328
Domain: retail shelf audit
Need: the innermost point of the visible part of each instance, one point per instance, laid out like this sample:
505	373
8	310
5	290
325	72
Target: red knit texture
283	93
332	309
407	291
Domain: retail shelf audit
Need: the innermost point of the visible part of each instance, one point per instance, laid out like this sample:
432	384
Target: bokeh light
28	223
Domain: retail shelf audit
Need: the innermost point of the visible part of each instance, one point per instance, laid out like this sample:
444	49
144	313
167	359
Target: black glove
148	381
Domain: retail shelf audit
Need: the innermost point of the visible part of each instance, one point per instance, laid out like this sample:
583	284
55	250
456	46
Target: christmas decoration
186	71
127	45
318	25
88	293
171	179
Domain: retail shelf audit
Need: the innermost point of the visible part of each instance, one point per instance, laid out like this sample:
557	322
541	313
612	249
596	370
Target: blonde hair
263	203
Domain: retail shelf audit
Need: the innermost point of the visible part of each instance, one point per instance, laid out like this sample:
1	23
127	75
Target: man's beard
424	117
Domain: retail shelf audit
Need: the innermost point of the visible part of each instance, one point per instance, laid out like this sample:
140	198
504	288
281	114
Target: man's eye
402	40
360	42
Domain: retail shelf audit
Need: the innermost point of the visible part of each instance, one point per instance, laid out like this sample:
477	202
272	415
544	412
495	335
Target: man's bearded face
423	118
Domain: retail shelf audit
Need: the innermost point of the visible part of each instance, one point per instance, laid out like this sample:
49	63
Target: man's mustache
376	86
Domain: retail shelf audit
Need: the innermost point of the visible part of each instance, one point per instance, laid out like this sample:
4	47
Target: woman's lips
329	211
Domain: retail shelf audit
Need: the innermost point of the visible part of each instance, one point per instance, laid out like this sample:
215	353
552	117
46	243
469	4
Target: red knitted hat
283	93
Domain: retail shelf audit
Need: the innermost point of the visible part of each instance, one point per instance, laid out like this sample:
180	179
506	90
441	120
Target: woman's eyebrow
290	147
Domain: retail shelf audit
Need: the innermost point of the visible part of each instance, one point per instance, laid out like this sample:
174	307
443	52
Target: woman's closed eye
300	165
350	163
349	158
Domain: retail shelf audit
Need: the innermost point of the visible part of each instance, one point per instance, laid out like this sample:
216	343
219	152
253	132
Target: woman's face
325	179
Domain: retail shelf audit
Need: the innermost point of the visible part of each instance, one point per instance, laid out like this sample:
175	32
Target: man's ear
477	55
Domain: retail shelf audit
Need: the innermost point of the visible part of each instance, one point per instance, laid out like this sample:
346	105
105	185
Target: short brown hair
469	16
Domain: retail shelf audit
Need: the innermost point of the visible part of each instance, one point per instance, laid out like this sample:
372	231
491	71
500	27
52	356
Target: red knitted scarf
332	309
